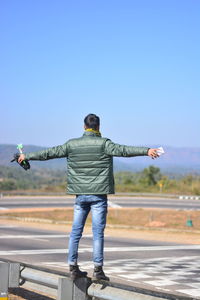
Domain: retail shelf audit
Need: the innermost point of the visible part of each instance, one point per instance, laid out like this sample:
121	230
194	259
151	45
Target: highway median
151	223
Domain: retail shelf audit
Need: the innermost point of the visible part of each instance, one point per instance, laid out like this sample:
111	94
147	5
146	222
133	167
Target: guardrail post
73	290
65	289
4	278
14	275
80	289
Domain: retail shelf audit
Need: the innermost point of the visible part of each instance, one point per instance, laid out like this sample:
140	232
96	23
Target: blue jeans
98	206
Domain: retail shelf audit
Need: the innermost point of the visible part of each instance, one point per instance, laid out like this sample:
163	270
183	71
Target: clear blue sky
136	64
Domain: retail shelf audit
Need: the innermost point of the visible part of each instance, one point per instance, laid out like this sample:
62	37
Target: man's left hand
153	153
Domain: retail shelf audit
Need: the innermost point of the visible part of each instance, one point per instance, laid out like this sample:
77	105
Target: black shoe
99	274
75	272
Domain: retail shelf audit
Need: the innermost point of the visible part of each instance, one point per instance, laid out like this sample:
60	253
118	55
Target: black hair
92	121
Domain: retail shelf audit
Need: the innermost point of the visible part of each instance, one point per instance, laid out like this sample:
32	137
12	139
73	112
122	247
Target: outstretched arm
50	153
128	151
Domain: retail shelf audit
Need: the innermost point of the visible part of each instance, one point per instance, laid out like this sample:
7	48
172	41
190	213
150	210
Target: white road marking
8	226
38	202
107	249
33	236
114	205
135	262
40	240
194	285
49	236
162	282
191	292
151	248
33	252
135	276
154	248
83	245
55	264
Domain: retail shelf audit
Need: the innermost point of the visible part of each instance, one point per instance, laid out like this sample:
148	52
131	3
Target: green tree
150	176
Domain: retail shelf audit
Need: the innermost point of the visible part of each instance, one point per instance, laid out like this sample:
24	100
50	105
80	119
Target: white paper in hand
160	151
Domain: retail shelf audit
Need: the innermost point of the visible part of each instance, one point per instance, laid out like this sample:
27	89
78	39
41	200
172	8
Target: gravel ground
22	294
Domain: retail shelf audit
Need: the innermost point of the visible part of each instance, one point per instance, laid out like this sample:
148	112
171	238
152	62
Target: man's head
92	121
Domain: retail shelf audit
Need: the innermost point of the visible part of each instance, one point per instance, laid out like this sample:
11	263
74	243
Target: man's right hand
21	158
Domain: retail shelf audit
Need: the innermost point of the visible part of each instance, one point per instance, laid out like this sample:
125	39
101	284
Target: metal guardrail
29	275
15	274
112	293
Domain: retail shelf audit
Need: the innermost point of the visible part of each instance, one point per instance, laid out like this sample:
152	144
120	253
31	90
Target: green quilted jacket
89	162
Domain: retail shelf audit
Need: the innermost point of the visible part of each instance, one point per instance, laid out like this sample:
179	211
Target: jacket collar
91	133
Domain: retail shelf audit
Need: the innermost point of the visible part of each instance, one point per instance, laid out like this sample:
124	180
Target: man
90	178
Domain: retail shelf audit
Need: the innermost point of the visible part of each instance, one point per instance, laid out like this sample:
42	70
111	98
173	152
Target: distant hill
175	160
178	160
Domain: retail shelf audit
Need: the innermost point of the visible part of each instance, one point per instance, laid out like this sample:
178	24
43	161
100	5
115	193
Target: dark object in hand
24	164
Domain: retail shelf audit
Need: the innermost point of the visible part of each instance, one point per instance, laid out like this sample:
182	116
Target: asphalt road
159	265
170	203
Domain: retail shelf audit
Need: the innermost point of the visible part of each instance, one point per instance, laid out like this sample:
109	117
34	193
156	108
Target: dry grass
133	217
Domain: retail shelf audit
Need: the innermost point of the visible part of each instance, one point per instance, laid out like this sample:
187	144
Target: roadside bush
8	185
